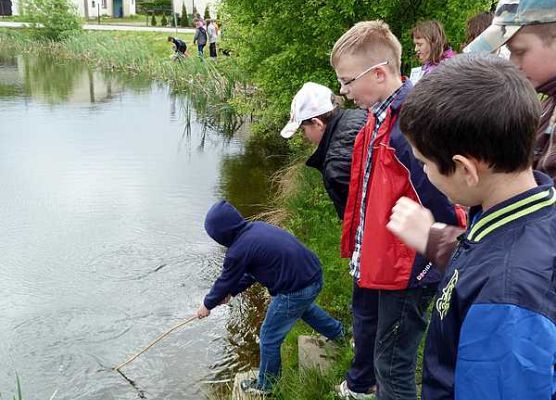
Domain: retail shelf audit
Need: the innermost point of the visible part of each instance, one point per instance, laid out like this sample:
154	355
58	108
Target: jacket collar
404	91
548	88
317	159
517	207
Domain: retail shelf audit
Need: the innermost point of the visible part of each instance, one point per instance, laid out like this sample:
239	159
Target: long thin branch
158	339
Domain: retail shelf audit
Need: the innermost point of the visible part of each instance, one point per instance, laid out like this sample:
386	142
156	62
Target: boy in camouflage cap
528	28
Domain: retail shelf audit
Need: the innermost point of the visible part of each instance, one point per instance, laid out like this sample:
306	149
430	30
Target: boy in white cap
317	112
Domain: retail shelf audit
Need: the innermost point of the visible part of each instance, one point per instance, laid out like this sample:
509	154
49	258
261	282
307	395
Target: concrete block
315	352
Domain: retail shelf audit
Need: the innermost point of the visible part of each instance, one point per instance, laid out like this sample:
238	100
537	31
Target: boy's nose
343	89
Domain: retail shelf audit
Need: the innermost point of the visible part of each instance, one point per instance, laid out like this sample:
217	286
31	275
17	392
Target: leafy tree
184	20
283	43
58	18
153	20
207	12
195	12
164	20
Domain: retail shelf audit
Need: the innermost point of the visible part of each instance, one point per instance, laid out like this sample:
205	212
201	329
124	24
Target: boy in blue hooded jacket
260	252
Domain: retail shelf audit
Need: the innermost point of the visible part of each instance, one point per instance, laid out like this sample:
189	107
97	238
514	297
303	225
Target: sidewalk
109	27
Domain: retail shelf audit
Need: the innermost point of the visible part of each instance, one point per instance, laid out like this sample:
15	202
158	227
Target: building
85	8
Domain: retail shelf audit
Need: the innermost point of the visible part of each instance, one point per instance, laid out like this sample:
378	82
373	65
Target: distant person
264	253
317	112
180	47
200	38
431	47
476	25
212	37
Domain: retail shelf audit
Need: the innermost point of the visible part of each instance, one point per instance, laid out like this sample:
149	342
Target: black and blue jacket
257	252
493	329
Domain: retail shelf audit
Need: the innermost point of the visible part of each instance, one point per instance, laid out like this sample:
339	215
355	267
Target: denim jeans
284	310
387	327
201	48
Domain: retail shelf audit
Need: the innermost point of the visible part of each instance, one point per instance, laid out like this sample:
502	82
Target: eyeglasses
350	81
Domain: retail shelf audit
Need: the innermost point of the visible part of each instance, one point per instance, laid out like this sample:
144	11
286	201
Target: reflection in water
246	178
103	198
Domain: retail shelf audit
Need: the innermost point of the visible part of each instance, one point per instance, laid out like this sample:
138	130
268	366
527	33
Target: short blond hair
372	39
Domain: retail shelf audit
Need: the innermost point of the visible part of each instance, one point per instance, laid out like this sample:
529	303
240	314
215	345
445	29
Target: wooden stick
158	339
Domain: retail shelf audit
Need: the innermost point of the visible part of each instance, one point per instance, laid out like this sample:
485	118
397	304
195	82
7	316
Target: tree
207	12
184	20
153	20
164	20
58	18
283	44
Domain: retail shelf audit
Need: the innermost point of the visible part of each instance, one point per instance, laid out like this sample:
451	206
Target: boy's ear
380	74
468	169
318	123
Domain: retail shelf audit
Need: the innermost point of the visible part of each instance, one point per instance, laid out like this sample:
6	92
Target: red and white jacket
387	263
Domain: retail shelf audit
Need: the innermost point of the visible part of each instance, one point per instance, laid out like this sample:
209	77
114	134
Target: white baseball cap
311	101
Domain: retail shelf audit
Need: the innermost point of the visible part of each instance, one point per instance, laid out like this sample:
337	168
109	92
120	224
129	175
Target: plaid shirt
379	111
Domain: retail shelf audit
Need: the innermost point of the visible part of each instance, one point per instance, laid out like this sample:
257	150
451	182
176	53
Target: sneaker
250	386
344	392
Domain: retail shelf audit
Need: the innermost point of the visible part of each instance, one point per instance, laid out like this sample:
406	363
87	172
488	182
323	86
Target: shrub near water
58	19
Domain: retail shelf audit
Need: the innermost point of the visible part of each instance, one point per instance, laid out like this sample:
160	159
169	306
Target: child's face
533	56
314	130
454	186
365	90
422	49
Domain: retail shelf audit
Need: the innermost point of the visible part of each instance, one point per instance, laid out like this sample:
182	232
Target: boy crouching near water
493	329
260	252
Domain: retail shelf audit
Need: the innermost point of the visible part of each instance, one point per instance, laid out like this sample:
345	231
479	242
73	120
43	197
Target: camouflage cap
509	17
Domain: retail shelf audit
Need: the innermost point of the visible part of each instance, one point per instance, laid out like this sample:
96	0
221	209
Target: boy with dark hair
179	46
317	112
493	328
528	29
260	252
392	285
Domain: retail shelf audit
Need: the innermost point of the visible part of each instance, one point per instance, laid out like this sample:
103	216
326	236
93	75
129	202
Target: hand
225	300
202	312
411	223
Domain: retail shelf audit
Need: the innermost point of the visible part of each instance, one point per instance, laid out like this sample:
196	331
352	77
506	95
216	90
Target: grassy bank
214	87
303	207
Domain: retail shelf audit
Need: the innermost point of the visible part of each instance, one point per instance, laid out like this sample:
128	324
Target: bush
58	18
284	44
184	20
153	20
207	12
164	20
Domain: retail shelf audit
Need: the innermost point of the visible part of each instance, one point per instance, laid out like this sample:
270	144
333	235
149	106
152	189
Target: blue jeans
284	310
387	328
200	48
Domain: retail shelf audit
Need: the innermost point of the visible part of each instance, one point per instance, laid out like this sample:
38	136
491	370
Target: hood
223	223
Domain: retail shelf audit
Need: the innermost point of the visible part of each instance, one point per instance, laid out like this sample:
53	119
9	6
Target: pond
104	192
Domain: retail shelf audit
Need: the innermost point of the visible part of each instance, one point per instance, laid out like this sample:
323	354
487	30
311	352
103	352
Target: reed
212	87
